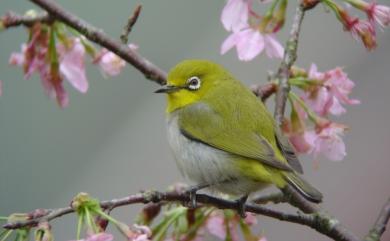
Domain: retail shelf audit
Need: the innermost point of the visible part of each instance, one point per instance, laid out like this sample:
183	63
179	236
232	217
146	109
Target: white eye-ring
193	83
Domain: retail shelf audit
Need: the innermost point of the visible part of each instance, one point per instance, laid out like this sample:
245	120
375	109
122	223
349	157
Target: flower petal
272	46
73	68
235	14
216	226
229	43
250	44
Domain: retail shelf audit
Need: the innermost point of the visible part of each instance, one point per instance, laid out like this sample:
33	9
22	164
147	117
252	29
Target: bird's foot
192	193
241	206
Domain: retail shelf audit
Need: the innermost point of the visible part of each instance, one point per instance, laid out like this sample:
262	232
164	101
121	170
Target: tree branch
320	222
150	70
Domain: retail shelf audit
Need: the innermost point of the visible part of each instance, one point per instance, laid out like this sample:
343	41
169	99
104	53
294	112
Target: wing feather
201	123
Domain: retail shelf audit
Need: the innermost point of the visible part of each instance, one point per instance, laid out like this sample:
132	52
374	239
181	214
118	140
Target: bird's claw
241	206
192	194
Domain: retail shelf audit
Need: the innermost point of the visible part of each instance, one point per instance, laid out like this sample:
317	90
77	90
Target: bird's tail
303	187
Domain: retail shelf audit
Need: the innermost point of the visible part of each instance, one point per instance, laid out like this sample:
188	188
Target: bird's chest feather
205	164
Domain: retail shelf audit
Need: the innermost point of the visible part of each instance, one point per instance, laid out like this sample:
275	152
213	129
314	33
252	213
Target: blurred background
111	142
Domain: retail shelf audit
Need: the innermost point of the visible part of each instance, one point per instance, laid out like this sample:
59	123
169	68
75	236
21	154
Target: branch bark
380	225
319	222
11	19
289	58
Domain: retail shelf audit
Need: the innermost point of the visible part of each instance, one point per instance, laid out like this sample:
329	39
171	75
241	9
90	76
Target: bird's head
190	80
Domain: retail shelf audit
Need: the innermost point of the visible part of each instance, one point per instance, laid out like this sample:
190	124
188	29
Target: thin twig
380	225
11	19
130	23
264	91
290	55
150	70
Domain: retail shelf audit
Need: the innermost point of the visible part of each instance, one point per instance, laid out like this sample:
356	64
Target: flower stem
312	116
6	234
79	226
90	221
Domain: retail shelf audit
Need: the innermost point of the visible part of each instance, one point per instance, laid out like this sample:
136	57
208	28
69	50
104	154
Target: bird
224	138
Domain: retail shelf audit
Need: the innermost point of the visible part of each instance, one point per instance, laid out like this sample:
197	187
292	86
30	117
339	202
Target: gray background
111	142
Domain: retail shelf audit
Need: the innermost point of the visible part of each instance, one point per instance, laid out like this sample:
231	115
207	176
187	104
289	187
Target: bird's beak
168	89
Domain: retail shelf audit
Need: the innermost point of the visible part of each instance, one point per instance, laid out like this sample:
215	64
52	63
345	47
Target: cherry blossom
72	65
218	225
34	58
111	64
235	14
329	96
378	13
327	140
359	29
250	42
375	12
295	129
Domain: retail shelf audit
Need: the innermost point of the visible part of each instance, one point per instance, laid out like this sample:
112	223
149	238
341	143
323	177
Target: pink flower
142	233
331	94
272	46
235	14
359	29
314	74
216	226
250	42
378	13
250	219
375	12
72	65
98	237
295	129
340	85
52	85
327	140
18	59
111	64
34	59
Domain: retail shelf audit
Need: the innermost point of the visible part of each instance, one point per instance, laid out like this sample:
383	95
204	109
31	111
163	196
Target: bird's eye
193	83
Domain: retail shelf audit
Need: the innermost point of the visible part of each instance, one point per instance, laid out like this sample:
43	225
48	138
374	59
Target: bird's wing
201	123
287	150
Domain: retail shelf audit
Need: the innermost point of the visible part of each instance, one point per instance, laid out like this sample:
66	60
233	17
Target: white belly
207	165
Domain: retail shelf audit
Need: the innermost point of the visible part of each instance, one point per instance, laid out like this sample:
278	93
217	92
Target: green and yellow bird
223	136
